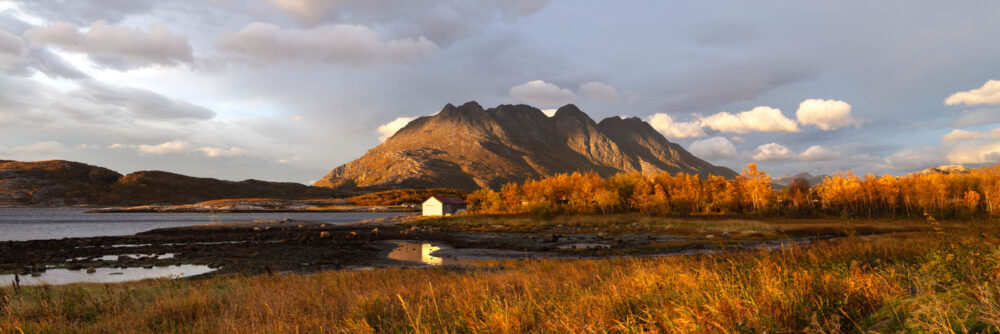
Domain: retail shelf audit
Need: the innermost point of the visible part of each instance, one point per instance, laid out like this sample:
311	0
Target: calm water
106	275
32	224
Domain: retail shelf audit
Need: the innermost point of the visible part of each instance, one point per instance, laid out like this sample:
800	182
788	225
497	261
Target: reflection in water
419	252
107	275
416	252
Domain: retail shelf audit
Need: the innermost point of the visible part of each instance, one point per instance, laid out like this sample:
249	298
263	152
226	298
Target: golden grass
919	281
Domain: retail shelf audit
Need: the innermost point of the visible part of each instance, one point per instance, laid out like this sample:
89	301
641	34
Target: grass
927	281
625	223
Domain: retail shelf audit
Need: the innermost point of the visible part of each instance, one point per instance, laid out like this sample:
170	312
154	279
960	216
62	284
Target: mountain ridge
469	147
61	182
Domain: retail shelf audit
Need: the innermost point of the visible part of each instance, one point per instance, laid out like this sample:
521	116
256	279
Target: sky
285	90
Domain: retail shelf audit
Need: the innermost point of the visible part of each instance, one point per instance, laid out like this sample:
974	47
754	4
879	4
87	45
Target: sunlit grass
917	281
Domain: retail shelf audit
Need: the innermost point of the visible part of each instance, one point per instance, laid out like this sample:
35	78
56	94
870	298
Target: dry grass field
945	278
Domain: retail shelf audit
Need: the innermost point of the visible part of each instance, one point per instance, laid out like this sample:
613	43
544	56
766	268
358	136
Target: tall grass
921	282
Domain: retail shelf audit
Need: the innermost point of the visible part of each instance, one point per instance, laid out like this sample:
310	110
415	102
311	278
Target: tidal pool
106	275
422	252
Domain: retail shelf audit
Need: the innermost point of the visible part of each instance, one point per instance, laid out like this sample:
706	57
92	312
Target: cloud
710	88
343	44
715	148
212	151
138	102
825	114
12	51
974	152
773	152
442	21
738	140
176	146
818	153
762	119
40	148
86	12
550	112
988	94
596	90
981	116
671	129
723	33
116	47
958	135
541	93
388	129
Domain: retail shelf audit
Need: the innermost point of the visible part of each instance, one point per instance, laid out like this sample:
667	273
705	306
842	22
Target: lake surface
106	275
39	223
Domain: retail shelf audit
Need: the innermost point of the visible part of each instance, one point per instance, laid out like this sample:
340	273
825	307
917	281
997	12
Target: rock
324	234
551	238
374	232
91	270
435	151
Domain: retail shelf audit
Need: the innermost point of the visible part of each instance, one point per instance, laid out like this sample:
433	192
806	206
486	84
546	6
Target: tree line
963	196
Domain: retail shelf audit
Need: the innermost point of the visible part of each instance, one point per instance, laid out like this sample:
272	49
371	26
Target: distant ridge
468	147
60	182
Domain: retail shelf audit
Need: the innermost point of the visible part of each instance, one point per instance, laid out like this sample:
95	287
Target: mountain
58	182
467	147
785	181
995	169
945	169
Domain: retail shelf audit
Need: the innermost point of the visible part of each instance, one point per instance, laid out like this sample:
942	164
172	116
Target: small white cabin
443	205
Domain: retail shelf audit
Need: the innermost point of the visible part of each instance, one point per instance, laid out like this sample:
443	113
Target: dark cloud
140	103
442	21
337	44
117	47
710	88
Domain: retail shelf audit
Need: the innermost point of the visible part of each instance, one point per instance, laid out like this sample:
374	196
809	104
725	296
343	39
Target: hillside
58	182
785	181
467	147
995	169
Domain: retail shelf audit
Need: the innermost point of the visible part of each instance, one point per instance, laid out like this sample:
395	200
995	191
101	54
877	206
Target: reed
913	281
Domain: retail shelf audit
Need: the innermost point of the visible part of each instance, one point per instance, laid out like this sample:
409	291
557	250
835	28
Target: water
39	223
420	252
107	275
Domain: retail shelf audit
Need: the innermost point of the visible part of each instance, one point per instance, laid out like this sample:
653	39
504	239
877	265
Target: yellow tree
756	186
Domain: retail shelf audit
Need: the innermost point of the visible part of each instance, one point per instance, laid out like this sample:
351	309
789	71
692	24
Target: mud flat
288	245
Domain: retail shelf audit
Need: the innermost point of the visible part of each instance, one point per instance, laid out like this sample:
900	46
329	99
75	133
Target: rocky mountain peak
467	147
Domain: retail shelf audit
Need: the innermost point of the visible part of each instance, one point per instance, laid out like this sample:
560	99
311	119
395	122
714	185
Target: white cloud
773	152
715	148
541	93
40	148
388	129
818	153
988	94
221	152
738	140
763	119
671	129
176	146
336	44
959	134
117	47
974	152
825	114
596	90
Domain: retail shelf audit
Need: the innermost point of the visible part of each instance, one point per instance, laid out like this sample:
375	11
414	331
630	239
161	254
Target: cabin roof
449	199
